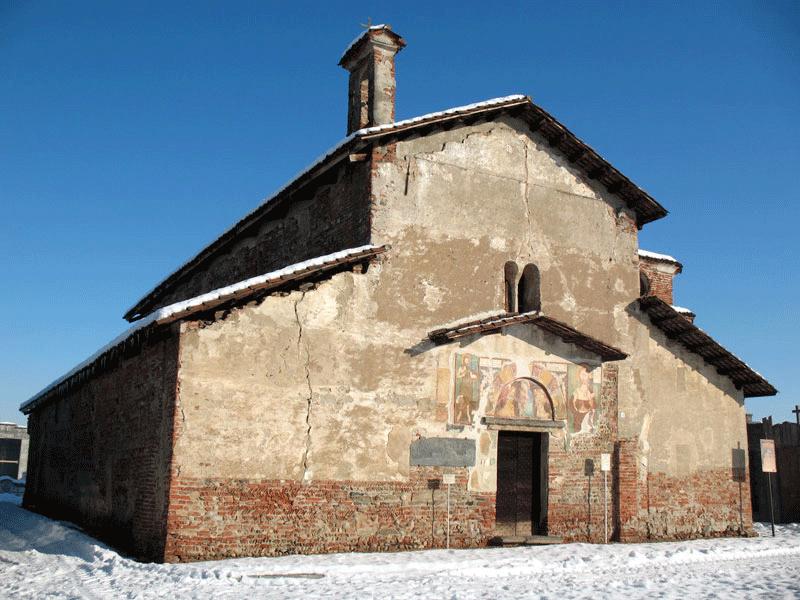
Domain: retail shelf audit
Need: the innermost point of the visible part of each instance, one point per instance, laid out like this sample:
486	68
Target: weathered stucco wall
101	454
262	378
468	200
295	420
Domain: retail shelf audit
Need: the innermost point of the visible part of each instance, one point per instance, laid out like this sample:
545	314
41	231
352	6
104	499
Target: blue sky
133	133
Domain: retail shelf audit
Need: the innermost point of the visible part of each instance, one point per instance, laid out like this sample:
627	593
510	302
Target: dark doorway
521	506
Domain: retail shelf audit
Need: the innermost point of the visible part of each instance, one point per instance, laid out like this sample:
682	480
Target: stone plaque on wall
442	452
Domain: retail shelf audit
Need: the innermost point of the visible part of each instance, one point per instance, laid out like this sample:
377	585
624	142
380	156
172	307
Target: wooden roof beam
578	155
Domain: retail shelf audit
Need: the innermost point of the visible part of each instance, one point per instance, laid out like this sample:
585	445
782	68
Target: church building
450	306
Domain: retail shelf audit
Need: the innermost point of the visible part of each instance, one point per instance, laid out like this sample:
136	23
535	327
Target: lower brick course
212	519
704	504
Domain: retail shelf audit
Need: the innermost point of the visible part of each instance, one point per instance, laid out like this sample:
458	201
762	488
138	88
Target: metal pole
605	502
771	512
448	516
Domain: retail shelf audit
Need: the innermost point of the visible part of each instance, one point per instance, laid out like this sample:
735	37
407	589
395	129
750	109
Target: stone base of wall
214	519
704	504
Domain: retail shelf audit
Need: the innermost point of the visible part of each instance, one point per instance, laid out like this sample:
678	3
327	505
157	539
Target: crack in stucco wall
306	454
526	243
614	215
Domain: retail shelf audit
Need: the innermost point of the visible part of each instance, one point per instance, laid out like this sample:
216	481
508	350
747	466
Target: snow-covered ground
40	558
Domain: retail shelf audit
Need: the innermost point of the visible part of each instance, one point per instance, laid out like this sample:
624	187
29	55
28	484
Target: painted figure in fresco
542	404
583	403
523	398
466	399
506	402
553	377
502	372
487	376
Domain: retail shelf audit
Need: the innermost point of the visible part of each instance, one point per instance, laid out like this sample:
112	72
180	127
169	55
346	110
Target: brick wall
627	487
703	504
213	519
661	507
332	215
100	454
576	495
660	275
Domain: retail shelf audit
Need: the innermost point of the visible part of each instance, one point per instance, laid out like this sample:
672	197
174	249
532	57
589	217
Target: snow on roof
485	317
683	311
360	36
184	305
328	154
441	113
656	256
498	321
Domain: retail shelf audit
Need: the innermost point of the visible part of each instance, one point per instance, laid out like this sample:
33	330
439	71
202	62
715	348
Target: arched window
528	293
510	294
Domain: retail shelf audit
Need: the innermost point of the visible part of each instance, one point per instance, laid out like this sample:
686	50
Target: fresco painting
467	392
541	390
584	392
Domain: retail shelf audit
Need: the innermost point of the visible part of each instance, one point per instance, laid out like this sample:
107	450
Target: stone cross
796	412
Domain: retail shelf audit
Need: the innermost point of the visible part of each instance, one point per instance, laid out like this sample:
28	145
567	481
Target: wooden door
521	503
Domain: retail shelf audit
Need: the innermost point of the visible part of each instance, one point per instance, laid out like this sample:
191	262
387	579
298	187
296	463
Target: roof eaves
460	112
682	331
658	257
495	323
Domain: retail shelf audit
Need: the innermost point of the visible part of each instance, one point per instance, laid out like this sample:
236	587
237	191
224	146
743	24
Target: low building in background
13	451
13	458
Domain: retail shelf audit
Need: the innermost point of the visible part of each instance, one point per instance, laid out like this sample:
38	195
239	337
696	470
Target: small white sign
605	462
768	456
449	478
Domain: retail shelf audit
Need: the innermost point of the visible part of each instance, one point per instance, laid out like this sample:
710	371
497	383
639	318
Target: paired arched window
511	272
523	292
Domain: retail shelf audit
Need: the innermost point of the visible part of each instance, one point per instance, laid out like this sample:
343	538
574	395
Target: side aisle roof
287	278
